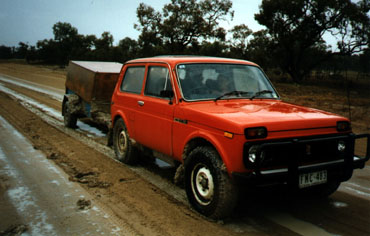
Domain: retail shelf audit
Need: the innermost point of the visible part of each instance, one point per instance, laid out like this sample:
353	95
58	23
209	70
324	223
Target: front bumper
339	167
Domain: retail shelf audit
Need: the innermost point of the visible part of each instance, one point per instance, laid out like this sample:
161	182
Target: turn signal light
228	134
255	133
343	126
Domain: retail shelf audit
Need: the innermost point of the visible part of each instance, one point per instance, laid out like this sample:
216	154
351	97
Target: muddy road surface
38	198
142	200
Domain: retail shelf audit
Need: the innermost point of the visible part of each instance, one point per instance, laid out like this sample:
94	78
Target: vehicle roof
100	66
174	60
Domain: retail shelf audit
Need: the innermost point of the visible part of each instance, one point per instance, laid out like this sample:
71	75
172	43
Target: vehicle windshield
223	81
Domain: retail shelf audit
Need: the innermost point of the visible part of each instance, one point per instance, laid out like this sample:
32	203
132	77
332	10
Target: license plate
314	178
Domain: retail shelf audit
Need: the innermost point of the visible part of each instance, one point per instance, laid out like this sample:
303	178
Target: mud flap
74	102
110	137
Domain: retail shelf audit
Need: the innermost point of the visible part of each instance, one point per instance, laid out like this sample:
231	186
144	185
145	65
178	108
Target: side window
157	81
133	80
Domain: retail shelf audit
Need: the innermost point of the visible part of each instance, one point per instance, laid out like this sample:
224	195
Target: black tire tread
226	197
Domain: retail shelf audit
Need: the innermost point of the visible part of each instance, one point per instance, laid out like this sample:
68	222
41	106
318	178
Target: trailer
89	88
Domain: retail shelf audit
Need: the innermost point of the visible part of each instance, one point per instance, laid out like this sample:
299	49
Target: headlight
252	154
343	126
255	133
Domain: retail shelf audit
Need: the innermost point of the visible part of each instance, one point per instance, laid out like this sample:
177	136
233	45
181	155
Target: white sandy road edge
50	111
294	224
54	93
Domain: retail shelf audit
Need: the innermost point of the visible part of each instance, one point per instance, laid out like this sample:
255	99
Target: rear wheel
208	187
122	143
70	120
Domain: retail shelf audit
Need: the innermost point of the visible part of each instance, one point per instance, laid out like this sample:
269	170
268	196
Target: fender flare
204	138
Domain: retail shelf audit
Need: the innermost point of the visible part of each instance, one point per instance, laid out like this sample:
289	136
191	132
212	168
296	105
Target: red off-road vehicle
222	120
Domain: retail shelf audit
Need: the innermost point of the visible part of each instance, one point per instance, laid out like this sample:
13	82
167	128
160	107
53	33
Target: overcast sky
32	20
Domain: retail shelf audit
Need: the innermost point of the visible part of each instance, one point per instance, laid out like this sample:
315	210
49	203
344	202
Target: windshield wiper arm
236	92
260	93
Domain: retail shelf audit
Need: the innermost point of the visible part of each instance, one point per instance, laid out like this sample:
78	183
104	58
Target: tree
149	21
354	30
67	39
64	31
46	51
128	49
215	49
260	48
66	45
297	27
104	42
365	61
22	50
182	23
103	47
239	41
5	52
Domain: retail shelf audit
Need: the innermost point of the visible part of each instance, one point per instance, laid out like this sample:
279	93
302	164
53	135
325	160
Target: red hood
235	116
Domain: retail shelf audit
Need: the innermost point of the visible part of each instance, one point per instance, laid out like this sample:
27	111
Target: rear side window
133	80
158	80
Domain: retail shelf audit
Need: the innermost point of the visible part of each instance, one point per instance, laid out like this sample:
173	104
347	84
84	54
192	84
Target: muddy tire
209	188
122	143
70	120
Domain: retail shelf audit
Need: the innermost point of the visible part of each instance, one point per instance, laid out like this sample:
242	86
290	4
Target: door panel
154	118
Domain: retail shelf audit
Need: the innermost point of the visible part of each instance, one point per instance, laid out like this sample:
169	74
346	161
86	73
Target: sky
31	20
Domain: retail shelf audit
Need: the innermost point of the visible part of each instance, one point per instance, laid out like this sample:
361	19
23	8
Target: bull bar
340	169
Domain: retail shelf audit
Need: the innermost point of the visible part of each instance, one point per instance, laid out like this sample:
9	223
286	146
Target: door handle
141	103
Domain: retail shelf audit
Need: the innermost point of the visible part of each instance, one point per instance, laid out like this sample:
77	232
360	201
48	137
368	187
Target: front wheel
208	187
122	143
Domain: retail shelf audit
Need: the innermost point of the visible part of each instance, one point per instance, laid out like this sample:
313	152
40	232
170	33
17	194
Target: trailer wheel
122	144
70	120
209	188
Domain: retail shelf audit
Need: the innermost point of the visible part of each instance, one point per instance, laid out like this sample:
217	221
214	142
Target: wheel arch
203	140
121	115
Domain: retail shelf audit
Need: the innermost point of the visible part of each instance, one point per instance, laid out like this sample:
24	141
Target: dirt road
43	202
142	198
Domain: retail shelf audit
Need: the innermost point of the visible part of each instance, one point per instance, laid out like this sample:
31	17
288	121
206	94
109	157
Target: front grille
281	153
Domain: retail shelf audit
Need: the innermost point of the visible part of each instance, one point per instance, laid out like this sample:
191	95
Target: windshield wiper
236	92
260	93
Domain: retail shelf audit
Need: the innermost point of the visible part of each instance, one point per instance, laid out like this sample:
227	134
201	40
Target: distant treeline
292	41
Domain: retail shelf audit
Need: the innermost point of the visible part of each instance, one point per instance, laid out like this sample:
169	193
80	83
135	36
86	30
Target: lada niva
223	121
